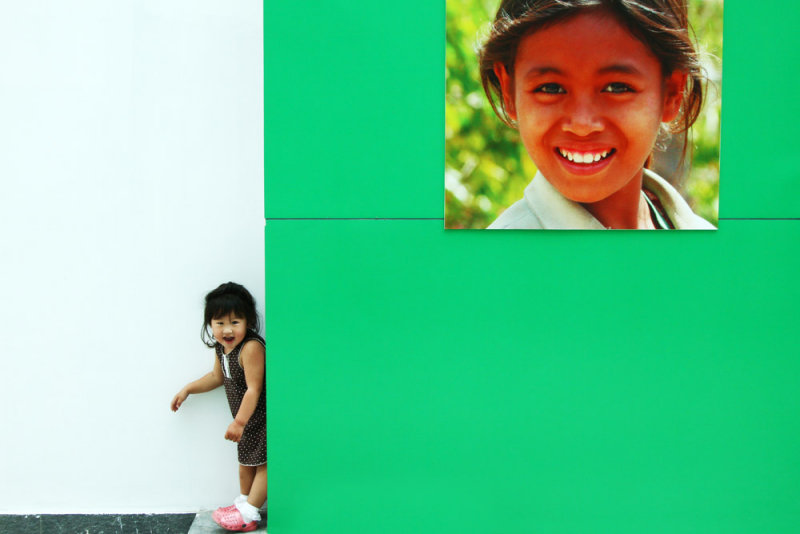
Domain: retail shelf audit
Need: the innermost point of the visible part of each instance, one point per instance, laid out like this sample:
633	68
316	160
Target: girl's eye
618	87
550	89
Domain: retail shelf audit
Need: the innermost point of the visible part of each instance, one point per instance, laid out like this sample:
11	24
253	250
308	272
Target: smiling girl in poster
589	84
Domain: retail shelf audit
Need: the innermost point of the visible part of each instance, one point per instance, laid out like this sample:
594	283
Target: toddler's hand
234	432
178	400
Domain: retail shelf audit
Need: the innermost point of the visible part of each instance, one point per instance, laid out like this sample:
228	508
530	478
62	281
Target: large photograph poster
583	131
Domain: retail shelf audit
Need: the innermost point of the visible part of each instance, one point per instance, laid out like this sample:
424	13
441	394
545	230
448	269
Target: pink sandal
219	511
231	519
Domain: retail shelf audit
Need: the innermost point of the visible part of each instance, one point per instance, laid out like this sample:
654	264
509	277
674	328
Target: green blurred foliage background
486	166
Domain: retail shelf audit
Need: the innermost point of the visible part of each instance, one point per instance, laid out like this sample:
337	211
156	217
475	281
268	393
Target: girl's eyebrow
620	68
614	68
543	69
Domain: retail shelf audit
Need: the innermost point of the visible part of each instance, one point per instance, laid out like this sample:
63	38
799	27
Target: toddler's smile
229	330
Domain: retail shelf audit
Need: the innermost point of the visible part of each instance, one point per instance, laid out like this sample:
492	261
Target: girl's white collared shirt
544	208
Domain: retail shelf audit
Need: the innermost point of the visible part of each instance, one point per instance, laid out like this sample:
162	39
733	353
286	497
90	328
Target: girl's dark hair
662	25
229	298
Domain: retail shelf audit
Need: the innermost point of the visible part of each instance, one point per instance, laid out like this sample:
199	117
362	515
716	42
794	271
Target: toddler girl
589	84
230	314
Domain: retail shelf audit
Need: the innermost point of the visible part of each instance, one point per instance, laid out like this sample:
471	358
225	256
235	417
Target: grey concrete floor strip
96	524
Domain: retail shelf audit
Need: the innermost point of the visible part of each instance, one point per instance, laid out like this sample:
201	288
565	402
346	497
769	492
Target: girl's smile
583	161
588	98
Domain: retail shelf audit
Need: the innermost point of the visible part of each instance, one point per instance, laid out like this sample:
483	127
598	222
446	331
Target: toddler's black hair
229	298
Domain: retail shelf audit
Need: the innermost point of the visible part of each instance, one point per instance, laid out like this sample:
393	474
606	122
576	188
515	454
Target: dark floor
96	524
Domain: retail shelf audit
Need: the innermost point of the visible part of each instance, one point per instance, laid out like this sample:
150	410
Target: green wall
423	380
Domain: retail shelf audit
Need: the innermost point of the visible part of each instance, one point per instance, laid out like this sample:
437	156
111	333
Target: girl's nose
583	119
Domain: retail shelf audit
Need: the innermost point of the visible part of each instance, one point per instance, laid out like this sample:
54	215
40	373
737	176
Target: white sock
240	498
248	511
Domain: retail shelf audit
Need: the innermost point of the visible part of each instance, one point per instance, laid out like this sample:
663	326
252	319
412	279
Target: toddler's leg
246	475
258	489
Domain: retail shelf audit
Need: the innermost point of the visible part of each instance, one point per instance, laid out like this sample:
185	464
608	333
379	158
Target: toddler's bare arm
205	383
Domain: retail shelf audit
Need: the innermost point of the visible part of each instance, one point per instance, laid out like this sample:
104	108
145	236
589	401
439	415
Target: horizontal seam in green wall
354	218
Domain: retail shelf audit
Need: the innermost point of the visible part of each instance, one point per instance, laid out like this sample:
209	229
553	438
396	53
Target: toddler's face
588	98
229	330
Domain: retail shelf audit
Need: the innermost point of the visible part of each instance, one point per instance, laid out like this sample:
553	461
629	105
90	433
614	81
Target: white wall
131	164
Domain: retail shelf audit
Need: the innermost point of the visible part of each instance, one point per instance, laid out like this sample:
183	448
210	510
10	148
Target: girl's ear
674	88
507	87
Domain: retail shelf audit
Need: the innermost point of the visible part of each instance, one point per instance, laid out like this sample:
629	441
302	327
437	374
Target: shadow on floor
203	524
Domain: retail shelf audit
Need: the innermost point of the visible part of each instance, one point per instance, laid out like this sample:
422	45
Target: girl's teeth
587	157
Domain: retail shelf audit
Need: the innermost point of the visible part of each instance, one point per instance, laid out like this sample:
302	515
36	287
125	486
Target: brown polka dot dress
253	445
